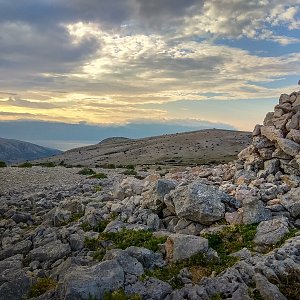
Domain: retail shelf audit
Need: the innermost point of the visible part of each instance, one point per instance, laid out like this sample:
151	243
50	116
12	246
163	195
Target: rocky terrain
228	231
197	147
14	151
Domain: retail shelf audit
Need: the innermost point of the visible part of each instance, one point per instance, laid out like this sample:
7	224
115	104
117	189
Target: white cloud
239	18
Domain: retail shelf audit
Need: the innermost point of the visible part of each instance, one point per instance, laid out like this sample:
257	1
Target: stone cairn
276	143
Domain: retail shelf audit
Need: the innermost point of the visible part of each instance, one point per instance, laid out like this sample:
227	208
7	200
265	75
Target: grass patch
86	171
98	228
126	238
120	295
2	164
47	164
109	166
232	239
92	244
76	217
130	172
130	167
199	265
289	235
290	286
25	165
99	176
42	286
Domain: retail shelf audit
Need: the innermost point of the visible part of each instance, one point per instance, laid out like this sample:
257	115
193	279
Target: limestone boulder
200	203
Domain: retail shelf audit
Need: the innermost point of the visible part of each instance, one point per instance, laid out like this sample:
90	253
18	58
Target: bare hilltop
196	147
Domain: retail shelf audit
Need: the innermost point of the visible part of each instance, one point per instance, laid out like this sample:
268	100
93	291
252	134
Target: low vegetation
232	239
120	295
2	164
42	286
99	176
139	238
86	171
122	240
47	164
25	165
130	172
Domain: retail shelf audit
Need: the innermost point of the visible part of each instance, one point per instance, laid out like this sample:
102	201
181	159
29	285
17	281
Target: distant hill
14	151
197	147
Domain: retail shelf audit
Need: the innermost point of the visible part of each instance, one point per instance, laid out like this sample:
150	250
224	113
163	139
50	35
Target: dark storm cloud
44	12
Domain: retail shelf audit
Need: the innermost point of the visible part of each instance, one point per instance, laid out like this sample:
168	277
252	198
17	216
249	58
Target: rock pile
65	236
276	143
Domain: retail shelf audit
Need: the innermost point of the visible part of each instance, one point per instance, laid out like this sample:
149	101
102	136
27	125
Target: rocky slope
195	147
14	151
223	232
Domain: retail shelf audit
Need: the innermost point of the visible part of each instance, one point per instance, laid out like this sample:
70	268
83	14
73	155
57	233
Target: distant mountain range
196	147
14	151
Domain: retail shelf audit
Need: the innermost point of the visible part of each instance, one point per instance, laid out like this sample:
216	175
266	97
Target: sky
157	66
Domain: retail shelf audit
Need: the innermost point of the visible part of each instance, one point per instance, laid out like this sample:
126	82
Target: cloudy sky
192	63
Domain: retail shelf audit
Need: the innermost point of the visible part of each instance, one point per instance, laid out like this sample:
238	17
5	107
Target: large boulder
200	203
182	246
50	252
288	146
254	211
270	232
91	282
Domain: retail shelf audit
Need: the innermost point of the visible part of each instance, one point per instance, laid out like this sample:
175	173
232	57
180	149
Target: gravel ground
34	179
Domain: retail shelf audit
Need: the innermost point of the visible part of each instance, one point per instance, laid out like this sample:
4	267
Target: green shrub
109	166
199	265
42	286
76	217
232	239
130	172
99	176
139	238
48	164
91	244
101	225
120	295
130	167
2	164
86	171
25	165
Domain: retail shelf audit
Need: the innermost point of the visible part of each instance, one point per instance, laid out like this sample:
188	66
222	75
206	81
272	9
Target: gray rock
270	232
91	282
164	186
268	121
22	247
294	135
256	130
254	211
271	133
181	246
200	203
14	285
152	289
61	217
129	264
19	217
146	257
50	252
291	202
288	146
294	122
271	166
262	142
76	242
268	290
284	98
